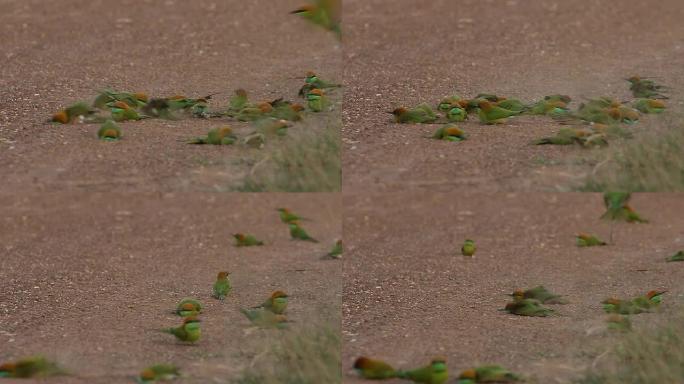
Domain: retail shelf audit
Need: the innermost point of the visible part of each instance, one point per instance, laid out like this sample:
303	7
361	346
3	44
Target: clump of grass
652	162
299	356
646	357
307	160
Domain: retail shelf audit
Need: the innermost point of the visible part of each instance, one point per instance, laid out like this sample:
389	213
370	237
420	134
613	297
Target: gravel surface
409	294
411	52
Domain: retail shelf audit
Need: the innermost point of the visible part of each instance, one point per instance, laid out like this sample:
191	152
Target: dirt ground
409	295
411	52
87	278
56	53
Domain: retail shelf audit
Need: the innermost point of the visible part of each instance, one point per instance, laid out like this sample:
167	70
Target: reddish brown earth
56	53
408	52
410	295
87	278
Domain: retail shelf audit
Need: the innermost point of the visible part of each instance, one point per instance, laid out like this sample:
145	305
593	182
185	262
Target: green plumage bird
487	374
317	101
189	331
188	307
527	307
109	131
646	88
158	372
679	256
325	13
265	319
336	251
456	114
541	294
587	240
313	81
276	303
242	240
617	322
617	207
491	114
28	367
421	114
449	132
468	248
286	216
298	233
434	373
649	106
372	369
222	286
217	136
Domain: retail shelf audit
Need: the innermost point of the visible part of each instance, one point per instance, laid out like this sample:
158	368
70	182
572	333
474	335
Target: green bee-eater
435	373
326	13
449	132
221	287
265	319
189	331
451	101
646	88
468	248
512	105
107	96
312	81
217	136
242	240
317	100
109	131
158	372
298	233
122	112
491	114
617	207
649	105
651	299
539	293
286	216
421	114
487	374
374	369
587	240
276	303
336	251
73	112
679	256
527	307
617	322
237	102
33	366
565	136
188	307
456	113
622	307
271	126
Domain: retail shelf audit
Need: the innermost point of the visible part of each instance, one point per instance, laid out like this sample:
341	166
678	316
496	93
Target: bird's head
177	97
438	364
265	107
316	91
222	275
339	242
240	92
310	74
363	363
484	105
612	301
518	294
147	375
308	8
141	96
634	79
191	320
453	131
468	374
226	131
283	210
278	294
652	294
297	107
8	367
61	117
239	236
399	111
187	307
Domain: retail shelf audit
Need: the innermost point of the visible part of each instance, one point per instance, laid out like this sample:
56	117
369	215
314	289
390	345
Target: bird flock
593	123
271	314
531	302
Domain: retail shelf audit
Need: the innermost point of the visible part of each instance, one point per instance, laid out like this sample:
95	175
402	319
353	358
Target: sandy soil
87	278
409	294
411	52
56	53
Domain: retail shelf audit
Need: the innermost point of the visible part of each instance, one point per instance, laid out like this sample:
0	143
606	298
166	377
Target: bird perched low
434	373
646	88
265	319
336	251
189	331
449	101
121	111
158	372
33	366
512	105
650	299
456	113
317	101
271	126
468	248
372	369
72	113
679	256
237	102
649	106
188	307
313	81
109	131
491	114
108	96
587	240
217	136
325	13
622	307
539	293
242	240
487	374
565	136
527	307
617	207
221	287
617	322
449	132
552	104
276	303
421	114
298	233
287	216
